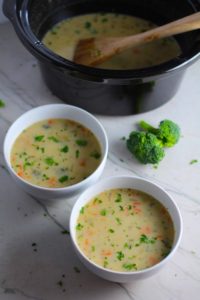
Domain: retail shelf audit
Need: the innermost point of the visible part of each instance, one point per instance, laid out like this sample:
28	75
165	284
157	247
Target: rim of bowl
81	110
40	49
73	220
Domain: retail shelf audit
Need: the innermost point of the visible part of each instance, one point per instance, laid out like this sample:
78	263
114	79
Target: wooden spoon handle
185	24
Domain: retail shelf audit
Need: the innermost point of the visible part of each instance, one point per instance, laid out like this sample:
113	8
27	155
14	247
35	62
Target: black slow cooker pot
100	91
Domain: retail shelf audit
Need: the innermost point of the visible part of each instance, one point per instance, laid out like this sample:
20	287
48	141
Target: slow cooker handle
9	8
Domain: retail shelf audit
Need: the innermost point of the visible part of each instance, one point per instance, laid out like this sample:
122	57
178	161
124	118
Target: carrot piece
20	173
137	207
82	163
159	237
153	260
106	253
51	121
52	181
86	242
146	230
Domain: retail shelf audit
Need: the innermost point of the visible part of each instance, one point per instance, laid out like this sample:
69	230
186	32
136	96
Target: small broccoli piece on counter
168	132
145	147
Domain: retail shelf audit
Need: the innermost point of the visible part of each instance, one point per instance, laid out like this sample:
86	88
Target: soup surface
124	230
63	37
55	153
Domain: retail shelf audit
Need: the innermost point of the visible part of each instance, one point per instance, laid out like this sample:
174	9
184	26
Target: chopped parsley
128	246
77	153
88	25
120	255
144	239
104	20
50	161
79	226
63	178
81	143
97	200
27	164
2	103
105	263
82	210
129	267
53	138
103	212
65	149
193	161
111	230
45	176
39	138
119	198
118	221
95	154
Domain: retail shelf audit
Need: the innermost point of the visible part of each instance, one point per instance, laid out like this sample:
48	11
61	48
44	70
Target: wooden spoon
94	51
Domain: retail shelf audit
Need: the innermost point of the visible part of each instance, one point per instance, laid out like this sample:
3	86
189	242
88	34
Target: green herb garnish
53	138
45	177
82	210
119	198
118	221
144	239
88	25
79	226
65	149
129	267
39	138
103	212
77	153
81	143
63	178
120	255
95	154
193	161
50	161
2	103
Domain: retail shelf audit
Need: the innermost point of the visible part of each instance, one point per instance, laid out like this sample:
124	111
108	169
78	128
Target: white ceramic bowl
126	182
62	111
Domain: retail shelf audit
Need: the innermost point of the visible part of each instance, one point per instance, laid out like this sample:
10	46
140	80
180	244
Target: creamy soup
63	37
55	153
124	230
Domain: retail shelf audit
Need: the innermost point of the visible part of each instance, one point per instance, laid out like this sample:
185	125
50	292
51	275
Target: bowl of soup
55	150
137	80
125	228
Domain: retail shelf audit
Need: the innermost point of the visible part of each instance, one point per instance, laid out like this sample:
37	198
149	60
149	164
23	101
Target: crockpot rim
31	40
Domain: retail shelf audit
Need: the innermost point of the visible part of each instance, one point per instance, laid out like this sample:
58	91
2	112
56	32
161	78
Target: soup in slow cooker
64	36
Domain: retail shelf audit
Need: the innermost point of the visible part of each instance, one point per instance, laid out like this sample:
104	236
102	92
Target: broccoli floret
168	132
145	147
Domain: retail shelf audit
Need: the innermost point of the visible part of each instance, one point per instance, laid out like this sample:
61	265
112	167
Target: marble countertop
36	256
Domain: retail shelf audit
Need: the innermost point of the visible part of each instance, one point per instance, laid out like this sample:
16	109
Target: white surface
29	274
